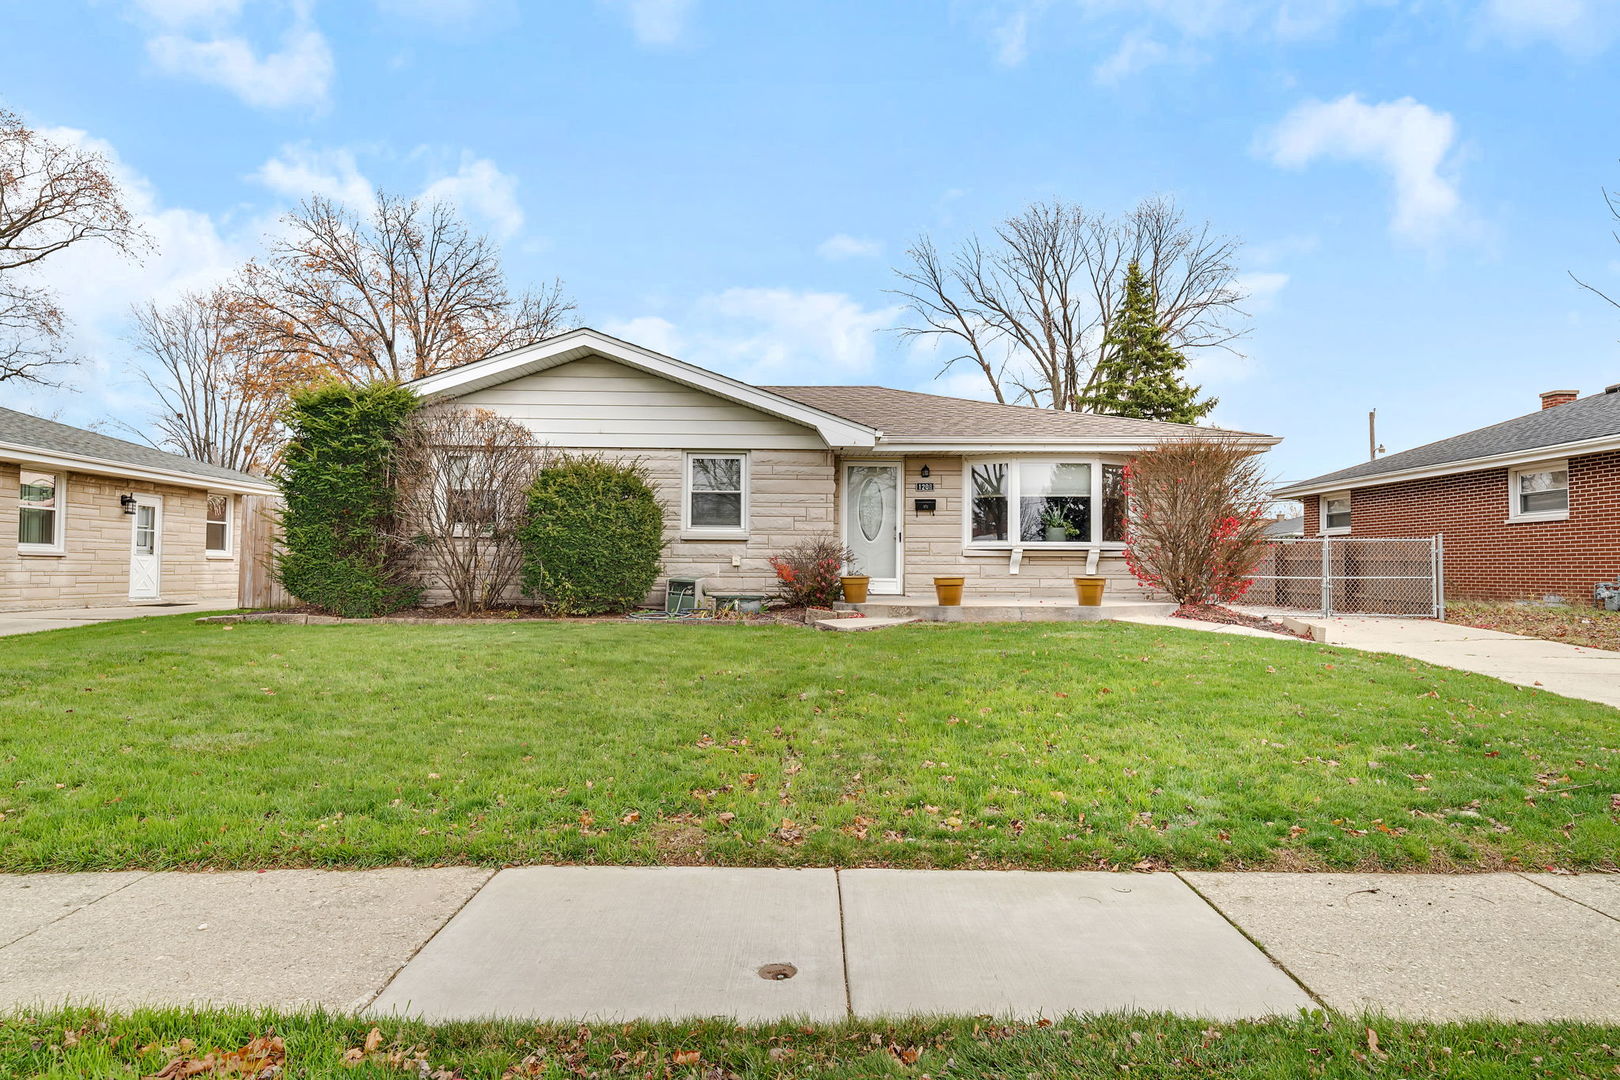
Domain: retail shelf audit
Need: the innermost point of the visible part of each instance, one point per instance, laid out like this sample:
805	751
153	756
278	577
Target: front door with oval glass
146	548
872	525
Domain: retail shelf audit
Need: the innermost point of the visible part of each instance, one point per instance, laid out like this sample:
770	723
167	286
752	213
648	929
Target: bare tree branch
52	196
1033	310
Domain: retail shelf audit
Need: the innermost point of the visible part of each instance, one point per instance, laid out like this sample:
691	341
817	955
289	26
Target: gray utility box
683	594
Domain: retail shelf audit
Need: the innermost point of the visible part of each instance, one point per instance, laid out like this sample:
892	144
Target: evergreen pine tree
1142	373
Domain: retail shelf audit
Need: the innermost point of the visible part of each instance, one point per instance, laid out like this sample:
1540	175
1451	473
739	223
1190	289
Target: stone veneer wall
94	570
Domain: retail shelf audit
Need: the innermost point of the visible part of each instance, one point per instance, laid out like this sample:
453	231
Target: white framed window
41	517
716	501
1018	502
217	530
1539	492
470	503
1335	513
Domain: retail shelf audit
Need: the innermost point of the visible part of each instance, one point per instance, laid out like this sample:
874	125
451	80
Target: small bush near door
336	548
807	573
594	537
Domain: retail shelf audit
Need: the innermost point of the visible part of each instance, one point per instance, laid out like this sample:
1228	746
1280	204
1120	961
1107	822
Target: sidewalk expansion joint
75	911
1565	896
1252	940
386	983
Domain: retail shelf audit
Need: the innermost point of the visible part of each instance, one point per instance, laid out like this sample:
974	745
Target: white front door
872	526
146	547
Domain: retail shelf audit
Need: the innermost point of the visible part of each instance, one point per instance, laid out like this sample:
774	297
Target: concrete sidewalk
618	943
1571	670
28	622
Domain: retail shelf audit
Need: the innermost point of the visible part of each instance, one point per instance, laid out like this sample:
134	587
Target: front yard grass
323	1046
167	743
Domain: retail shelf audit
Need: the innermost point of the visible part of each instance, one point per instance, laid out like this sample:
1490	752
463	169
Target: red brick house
1529	508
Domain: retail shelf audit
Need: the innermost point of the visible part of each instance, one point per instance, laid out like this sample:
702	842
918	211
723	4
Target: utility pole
1373	449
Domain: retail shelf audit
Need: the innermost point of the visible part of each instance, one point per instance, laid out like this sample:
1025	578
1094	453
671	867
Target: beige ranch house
93	521
1017	500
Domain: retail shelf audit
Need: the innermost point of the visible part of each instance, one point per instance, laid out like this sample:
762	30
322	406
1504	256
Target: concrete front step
850	623
1006	610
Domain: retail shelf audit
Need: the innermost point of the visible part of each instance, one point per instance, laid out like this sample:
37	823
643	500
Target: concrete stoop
1006	610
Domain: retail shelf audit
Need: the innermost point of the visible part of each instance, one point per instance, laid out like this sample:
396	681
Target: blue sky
732	182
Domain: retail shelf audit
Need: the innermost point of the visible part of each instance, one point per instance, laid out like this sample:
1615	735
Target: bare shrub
1197	519
807	573
462	478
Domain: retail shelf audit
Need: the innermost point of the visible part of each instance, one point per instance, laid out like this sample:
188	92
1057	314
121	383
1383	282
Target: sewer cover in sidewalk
611	943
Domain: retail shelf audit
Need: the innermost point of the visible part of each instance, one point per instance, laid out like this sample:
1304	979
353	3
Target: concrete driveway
28	622
1570	670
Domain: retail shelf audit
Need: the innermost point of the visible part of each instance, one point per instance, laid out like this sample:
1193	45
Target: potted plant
855	586
948	591
1088	591
1056	526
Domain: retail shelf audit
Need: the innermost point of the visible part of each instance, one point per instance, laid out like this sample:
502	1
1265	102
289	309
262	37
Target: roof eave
1329	482
942	444
56	459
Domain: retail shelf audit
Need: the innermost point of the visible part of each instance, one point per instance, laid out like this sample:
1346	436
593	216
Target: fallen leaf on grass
262	1056
686	1057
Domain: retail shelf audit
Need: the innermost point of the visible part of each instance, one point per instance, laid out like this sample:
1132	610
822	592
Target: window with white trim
716	494
1336	513
1539	492
1025	501
40	498
217	539
471	505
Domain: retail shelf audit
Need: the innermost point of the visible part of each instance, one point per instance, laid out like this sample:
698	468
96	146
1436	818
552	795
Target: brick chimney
1558	397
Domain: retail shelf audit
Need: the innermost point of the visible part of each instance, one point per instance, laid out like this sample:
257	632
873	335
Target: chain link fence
1352	575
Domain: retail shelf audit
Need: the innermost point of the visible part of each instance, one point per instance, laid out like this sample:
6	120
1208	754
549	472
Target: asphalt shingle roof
21	429
909	413
1585	418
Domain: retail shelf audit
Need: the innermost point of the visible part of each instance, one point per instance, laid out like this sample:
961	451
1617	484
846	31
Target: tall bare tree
216	401
1032	308
461	481
403	291
53	195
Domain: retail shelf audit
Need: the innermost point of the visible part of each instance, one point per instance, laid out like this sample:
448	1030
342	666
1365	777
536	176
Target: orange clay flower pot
948	591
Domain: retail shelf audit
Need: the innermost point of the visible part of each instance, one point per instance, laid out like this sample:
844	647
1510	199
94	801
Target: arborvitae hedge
336	553
594	536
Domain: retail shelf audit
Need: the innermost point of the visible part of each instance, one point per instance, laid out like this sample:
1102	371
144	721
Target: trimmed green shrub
337	522
595	532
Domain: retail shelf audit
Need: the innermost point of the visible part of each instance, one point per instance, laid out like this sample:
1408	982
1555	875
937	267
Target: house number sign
926	485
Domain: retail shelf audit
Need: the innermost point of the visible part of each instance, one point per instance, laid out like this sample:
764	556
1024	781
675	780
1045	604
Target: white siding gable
597	403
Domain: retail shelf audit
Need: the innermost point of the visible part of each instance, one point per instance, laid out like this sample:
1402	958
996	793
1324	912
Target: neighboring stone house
1528	508
1018	500
93	521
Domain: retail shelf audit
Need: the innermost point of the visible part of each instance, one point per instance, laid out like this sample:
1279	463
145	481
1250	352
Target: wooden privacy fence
257	586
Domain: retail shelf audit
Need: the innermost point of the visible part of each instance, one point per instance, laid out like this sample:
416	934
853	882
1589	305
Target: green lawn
168	743
83	1043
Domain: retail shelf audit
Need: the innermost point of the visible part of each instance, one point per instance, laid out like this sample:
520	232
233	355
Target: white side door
872	526
146	548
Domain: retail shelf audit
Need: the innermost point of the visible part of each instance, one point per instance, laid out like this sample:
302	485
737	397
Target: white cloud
300	171
1410	141
477	188
656	23
1583	27
1262	288
1011	39
1137	52
480	191
98	286
197	41
767	335
845	246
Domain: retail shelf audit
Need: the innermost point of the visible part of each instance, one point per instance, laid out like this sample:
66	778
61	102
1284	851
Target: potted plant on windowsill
1056	526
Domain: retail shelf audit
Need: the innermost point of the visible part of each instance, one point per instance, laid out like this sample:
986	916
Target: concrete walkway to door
1570	670
28	622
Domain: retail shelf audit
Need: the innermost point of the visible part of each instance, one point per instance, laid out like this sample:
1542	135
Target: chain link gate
1352	575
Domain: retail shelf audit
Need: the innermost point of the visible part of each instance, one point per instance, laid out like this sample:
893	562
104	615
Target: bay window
1019	502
